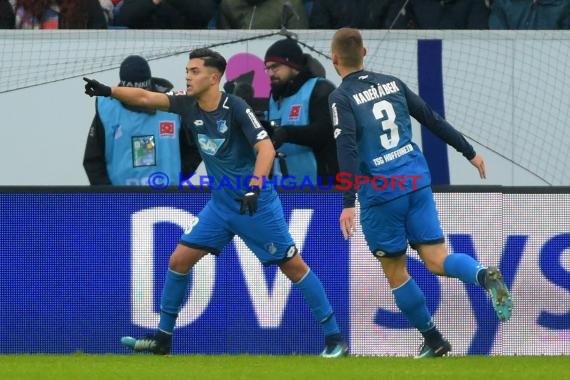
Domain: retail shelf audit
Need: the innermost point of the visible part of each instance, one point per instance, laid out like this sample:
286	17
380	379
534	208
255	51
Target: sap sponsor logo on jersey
375	92
208	145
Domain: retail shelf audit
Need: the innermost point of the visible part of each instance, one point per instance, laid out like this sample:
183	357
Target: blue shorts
413	219
266	233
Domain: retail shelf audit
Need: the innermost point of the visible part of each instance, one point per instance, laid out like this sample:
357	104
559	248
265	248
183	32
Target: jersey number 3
384	112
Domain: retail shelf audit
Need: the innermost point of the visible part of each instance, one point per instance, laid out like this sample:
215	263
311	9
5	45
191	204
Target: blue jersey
225	138
373	131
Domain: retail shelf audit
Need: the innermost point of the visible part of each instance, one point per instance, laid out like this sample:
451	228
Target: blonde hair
348	46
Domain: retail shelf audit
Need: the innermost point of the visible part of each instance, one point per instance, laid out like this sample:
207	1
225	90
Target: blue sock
314	293
411	301
463	267
173	293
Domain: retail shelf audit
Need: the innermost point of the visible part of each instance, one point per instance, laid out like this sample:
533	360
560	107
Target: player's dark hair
211	59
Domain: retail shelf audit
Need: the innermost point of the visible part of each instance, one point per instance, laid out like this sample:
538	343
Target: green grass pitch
81	366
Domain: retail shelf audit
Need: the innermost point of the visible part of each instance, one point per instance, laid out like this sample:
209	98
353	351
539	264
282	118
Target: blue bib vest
293	111
138	144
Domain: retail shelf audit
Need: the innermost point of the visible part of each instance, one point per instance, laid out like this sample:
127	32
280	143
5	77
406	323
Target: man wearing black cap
127	144
298	111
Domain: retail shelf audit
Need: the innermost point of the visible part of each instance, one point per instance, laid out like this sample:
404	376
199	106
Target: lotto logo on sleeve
166	129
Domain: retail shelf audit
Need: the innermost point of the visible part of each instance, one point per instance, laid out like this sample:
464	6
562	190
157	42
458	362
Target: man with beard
298	113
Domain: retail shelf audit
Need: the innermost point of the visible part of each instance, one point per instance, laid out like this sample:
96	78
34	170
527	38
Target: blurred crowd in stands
293	14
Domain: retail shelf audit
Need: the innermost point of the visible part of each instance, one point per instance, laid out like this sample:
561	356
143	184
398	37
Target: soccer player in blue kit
233	145
371	116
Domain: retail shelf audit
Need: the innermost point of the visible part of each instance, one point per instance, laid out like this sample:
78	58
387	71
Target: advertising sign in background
78	270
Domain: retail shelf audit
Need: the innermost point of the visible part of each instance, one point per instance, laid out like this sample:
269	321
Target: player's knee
397	278
435	267
395	271
433	256
293	266
434	263
178	265
184	258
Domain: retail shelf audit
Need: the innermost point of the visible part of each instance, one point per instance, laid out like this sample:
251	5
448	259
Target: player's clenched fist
249	201
94	88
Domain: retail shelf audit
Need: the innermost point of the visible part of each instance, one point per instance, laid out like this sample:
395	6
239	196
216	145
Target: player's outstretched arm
129	95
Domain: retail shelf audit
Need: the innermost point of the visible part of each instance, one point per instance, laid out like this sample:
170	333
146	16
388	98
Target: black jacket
449	14
7	19
169	14
362	14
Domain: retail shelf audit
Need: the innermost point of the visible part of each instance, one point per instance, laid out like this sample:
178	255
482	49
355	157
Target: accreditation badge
144	151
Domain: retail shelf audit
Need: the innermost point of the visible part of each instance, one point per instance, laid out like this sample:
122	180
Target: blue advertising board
80	269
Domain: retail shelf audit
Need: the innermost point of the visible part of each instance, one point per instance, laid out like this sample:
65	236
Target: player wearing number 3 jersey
371	116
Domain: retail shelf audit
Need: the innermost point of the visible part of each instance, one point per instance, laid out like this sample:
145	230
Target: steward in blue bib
126	145
302	131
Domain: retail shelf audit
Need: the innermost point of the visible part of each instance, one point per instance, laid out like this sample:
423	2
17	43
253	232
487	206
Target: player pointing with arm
205	99
371	115
226	130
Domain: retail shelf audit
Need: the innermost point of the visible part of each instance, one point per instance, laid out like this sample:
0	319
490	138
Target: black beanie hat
286	52
135	72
